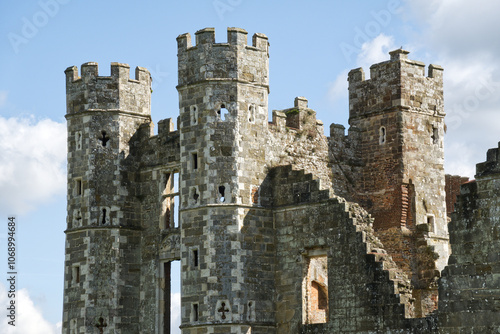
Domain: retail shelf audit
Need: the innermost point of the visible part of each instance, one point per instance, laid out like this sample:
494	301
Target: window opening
251	311
104	213
167	291
430	223
382	135
195	195
167	216
315	288
195	258
175	199
78	140
194	115
195	312
222	190
194	160
104	139
168	199
167	184
223	112
79	187
435	135
251	114
321	294
75	274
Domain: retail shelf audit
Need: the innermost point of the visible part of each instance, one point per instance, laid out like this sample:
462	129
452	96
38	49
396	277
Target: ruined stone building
279	228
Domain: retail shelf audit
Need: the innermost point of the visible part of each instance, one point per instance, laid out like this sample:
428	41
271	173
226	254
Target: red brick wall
452	187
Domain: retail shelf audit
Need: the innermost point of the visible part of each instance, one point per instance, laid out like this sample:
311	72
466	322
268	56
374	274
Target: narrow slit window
78	140
251	311
195	258
194	115
251	113
194	160
382	135
104	216
430	223
195	312
79	187
75	274
222	197
195	195
435	135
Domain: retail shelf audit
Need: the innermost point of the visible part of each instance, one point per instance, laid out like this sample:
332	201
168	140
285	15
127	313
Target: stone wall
366	290
469	290
452	186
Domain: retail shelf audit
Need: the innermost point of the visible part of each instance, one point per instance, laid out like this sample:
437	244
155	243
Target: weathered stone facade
279	229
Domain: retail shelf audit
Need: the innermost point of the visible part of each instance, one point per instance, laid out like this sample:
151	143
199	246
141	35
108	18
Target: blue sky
312	47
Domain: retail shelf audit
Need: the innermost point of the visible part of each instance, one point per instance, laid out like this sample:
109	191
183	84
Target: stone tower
102	236
399	116
227	236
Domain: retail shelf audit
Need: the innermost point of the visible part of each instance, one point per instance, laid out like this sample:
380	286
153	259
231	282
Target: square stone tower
398	115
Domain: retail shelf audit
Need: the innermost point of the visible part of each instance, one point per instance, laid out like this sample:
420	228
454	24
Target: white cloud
32	163
458	27
375	51
175	313
462	37
3	97
337	90
372	52
29	319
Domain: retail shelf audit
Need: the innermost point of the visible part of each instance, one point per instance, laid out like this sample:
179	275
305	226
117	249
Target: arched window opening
222	191
223	112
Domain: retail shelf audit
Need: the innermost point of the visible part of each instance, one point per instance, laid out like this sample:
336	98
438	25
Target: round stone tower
102	235
226	233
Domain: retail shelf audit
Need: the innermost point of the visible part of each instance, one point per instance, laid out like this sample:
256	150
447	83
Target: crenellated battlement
491	165
115	92
397	82
233	60
235	36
